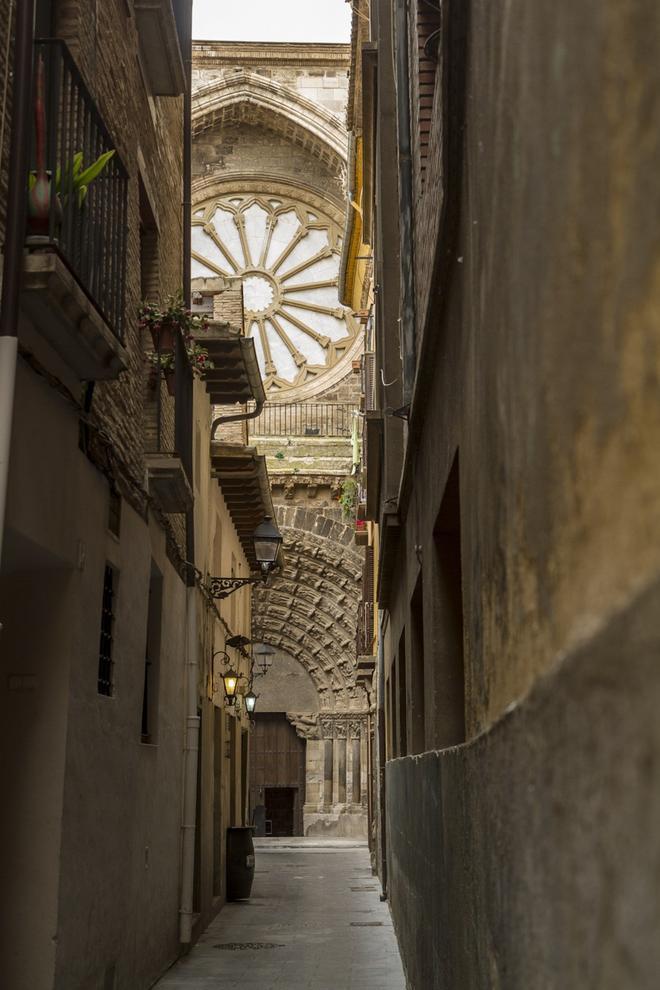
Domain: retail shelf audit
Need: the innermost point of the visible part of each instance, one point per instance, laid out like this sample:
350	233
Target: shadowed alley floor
314	922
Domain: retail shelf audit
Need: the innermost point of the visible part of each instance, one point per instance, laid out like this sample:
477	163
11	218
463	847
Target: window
106	664
114	512
149	726
447	673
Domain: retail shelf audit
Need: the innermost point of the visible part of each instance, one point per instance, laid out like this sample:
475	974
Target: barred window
105	675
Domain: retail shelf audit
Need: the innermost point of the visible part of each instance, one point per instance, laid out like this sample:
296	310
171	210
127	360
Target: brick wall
103	39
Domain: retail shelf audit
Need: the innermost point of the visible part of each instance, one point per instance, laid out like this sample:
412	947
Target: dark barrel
240	863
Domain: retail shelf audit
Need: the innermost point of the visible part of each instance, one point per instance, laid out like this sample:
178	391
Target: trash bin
240	862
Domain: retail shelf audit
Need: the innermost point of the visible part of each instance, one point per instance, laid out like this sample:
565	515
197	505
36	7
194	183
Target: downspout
235	417
407	306
191	750
12	271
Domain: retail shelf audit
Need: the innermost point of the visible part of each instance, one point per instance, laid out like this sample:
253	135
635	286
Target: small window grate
107	624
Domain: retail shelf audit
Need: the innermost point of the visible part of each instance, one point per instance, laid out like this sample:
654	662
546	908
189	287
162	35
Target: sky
272	20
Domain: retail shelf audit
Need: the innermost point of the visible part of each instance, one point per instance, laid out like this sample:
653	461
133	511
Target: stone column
341	768
356	796
328	746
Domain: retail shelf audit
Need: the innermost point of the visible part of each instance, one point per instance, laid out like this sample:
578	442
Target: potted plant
75	178
199	359
162	363
174	318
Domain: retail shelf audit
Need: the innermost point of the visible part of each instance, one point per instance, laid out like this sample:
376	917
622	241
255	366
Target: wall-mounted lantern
267	542
230	680
263	658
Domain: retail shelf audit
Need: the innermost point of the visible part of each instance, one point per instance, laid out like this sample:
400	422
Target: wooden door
277	760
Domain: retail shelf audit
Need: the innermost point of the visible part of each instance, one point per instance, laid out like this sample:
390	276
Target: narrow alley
330	494
314	922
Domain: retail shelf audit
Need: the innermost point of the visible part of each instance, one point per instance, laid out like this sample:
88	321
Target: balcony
304	419
168	482
159	47
75	268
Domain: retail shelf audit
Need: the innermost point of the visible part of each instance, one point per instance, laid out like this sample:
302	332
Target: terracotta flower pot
170	381
165	334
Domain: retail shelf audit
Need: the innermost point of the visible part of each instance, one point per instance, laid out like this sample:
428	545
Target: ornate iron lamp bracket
220	587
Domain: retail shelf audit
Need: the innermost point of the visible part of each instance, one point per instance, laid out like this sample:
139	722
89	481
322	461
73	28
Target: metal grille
107	624
303	419
88	229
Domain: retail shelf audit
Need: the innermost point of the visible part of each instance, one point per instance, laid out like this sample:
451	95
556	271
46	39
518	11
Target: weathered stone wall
533	851
535	340
317	72
523	856
248	150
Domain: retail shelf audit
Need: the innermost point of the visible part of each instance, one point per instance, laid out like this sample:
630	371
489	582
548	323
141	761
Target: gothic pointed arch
245	96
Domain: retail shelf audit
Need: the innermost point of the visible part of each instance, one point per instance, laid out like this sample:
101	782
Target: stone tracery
287	256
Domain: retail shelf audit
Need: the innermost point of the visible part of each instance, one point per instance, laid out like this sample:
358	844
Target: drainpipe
235	417
407	306
191	757
12	271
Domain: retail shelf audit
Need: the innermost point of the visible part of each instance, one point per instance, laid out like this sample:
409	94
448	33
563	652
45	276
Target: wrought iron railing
303	419
84	221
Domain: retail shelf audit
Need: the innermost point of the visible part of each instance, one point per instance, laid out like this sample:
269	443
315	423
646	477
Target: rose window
288	258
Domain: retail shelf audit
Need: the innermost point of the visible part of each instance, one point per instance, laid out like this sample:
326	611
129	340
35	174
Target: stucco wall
91	848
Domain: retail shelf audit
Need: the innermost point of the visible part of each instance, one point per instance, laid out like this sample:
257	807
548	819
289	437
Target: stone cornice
210	53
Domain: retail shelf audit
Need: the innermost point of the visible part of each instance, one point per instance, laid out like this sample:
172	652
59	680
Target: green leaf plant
74	178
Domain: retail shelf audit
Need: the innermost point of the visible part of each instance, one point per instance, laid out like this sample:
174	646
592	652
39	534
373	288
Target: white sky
272	20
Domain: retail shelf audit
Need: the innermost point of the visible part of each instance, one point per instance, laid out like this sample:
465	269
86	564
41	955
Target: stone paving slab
314	922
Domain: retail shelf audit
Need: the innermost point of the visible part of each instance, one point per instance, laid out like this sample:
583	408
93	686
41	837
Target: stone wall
529	857
528	366
245	149
317	72
519	579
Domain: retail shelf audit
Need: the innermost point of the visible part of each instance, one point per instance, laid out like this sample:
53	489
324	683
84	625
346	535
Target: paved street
314	922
